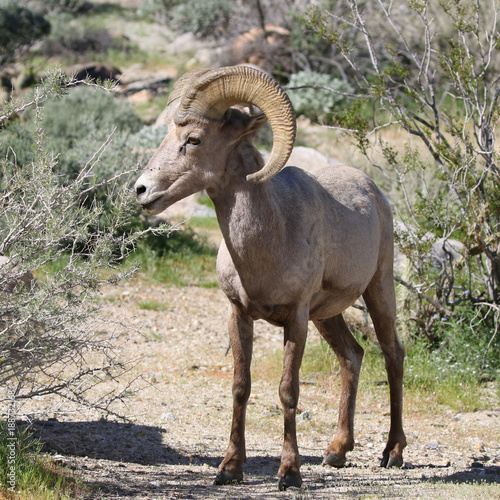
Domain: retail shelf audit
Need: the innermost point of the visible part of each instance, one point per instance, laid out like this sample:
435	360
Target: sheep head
204	129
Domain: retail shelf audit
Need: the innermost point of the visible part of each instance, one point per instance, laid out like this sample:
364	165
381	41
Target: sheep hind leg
381	303
350	355
241	337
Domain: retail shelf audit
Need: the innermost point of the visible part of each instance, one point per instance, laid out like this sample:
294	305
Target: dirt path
180	423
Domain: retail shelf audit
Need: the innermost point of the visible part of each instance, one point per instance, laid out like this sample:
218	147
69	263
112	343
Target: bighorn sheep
296	247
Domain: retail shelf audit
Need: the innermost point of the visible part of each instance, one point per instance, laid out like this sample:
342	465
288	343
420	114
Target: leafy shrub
53	336
445	178
150	136
158	9
318	104
70	6
20	28
204	19
75	127
70	39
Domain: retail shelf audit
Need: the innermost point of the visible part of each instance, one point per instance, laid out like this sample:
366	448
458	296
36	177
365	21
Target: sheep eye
193	140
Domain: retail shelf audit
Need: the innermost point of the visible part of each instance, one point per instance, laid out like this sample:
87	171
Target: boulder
94	70
308	159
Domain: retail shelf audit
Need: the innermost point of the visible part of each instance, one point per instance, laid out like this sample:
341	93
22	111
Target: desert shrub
321	96
87	128
444	180
54	337
148	137
157	9
75	127
66	6
20	28
206	19
72	39
80	122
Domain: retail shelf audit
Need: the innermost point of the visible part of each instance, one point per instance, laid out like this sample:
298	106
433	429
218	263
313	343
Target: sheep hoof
334	460
227	477
289	481
391	460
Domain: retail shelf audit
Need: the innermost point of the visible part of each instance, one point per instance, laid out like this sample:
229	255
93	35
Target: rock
479	446
152	83
142	97
308	159
94	70
186	208
60	460
432	446
186	42
263	47
167	416
305	415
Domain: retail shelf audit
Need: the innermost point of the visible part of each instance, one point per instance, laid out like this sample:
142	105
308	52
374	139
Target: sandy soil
179	424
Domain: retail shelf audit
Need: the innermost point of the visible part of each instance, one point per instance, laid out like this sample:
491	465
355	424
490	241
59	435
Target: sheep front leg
295	340
241	337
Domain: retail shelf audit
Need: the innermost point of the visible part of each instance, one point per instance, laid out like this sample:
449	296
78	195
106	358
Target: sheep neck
250	217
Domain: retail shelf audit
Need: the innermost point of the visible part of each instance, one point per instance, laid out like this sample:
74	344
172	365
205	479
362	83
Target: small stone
432	446
442	463
476	465
305	415
60	460
479	447
167	416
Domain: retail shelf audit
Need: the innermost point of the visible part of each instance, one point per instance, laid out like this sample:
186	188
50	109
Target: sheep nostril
140	190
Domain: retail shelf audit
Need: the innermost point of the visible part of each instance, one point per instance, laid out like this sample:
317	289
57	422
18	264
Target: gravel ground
179	424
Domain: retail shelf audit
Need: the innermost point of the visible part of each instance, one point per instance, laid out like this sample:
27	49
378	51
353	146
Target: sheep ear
244	125
240	124
256	122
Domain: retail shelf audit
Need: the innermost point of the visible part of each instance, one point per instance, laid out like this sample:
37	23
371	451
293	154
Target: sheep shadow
130	443
126	443
484	474
116	441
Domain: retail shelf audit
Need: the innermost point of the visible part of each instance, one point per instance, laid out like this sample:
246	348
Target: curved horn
183	83
215	91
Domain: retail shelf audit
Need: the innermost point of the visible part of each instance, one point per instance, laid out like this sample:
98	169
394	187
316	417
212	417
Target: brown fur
296	248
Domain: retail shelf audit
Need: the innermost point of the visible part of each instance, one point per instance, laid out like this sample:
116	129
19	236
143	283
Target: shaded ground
180	423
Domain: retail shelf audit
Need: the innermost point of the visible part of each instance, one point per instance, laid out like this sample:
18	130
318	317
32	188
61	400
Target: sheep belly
330	302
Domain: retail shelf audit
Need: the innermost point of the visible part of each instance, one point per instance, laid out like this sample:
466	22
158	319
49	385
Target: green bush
75	127
53	336
34	473
204	19
72	6
20	28
72	40
157	9
317	102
